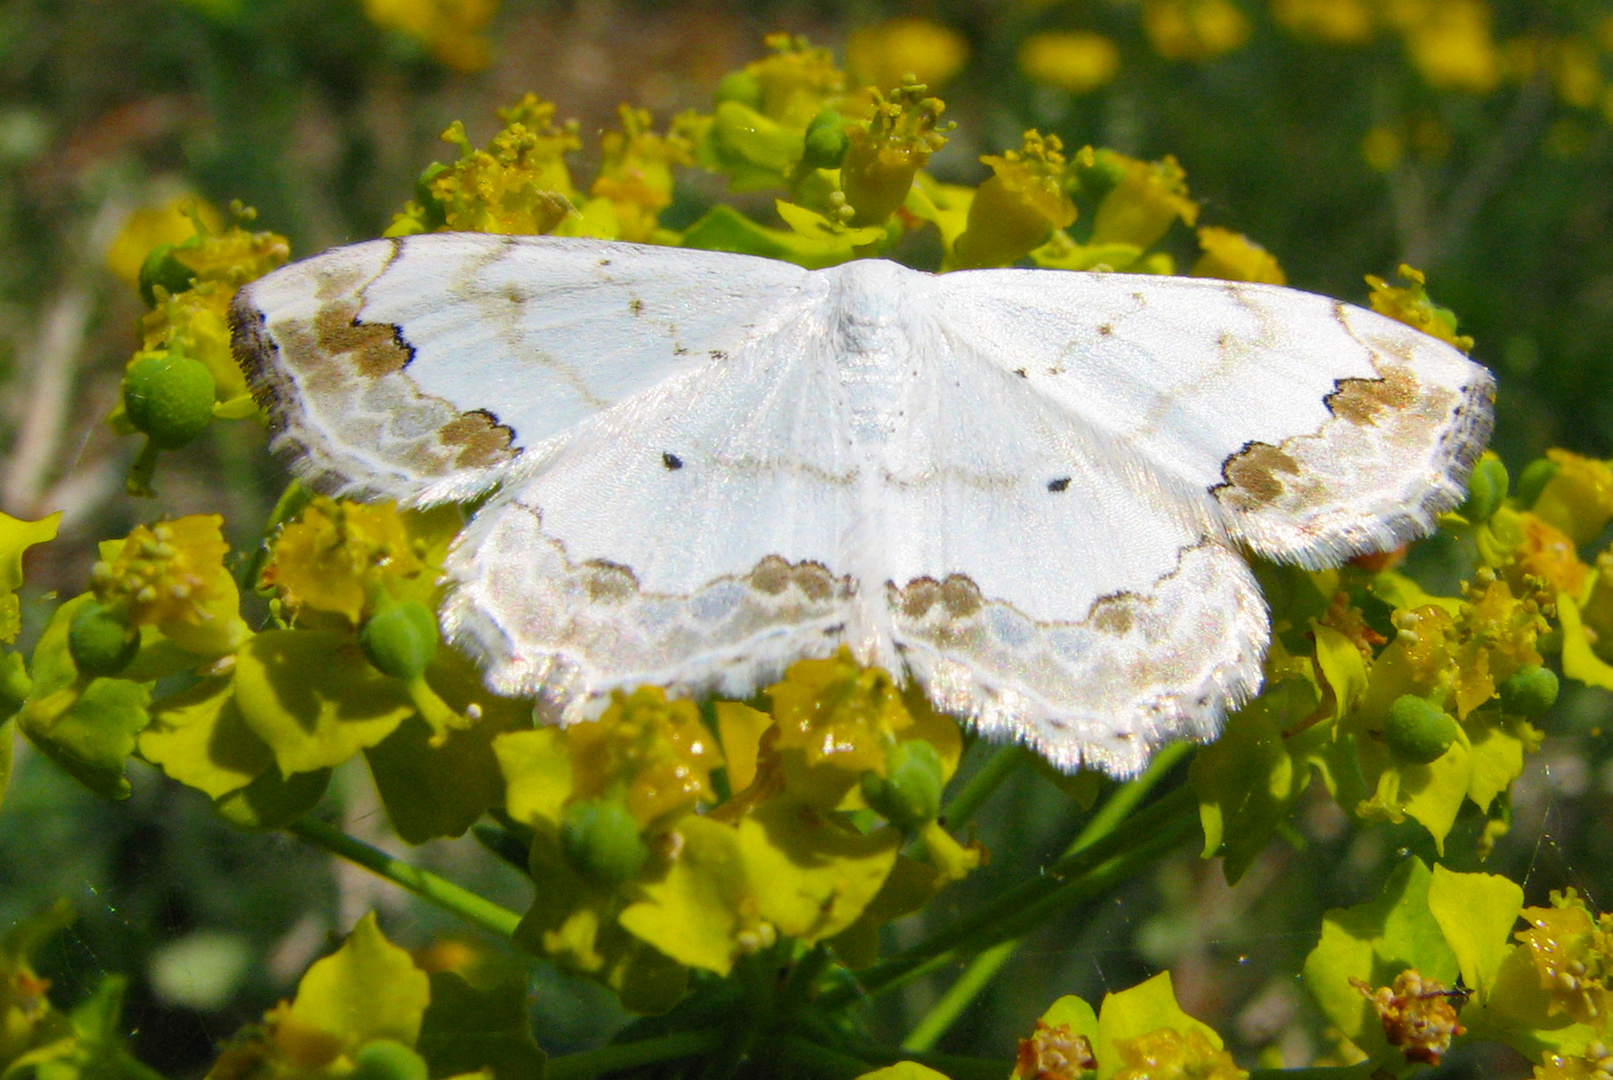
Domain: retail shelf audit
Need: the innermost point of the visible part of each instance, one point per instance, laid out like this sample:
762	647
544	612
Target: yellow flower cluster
787	844
171	576
1572	952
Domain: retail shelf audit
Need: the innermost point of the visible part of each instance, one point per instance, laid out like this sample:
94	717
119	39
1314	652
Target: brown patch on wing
774	574
958	595
1252	473
376	349
481	439
1114	614
608	582
1362	401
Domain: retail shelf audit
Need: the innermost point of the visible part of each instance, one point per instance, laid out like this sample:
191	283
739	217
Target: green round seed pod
100	641
909	794
1417	730
169	396
384	1059
162	267
1486	489
825	143
1529	691
1533	480
400	639
742	87
600	839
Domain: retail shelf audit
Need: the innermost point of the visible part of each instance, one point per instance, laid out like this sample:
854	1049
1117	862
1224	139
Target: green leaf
536	766
198	738
1579	660
692	913
1476	913
812	877
725	229
1146	1007
27	1019
466	1029
16	537
1374	942
89	730
433	791
572	921
273	801
368	989
1247	781
95	1048
1498	743
314	699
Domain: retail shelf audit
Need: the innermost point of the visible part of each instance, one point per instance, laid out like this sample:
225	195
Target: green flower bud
1417	730
384	1059
400	639
1533	480
825	141
909	794
740	86
1529	691
162	267
101	641
169	396
1486	489
600	839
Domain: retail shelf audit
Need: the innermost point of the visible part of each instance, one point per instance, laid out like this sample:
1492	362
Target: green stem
984	967
1142	837
981	970
423	883
966	802
587	1063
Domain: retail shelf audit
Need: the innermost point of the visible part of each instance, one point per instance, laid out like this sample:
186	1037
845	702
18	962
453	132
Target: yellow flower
1146	198
519	184
1495	636
1595	1063
1333	22
884	54
1450	43
1194	29
449	29
658	750
1547	553
172	222
1572	952
885	152
1168	1054
1071	60
172	576
1578	499
1235	257
796	82
834	711
1016	209
334	562
1413	306
636	173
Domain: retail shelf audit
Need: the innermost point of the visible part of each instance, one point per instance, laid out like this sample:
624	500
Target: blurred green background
1472	139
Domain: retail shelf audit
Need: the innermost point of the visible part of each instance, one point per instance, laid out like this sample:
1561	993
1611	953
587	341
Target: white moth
1027	490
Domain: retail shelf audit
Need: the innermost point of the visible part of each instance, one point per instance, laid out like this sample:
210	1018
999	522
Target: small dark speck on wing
1058	485
672	461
